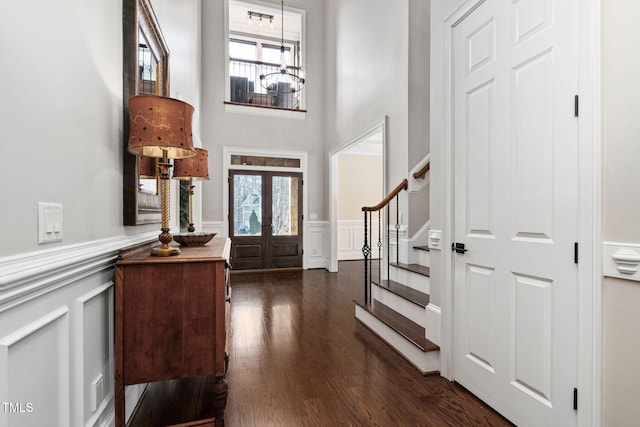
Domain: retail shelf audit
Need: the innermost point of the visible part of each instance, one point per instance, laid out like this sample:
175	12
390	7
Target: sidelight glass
247	205
284	198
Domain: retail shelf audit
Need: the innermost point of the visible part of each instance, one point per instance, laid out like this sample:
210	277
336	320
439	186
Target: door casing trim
379	126
303	156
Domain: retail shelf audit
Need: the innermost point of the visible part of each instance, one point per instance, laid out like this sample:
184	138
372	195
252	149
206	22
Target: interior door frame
444	18
303	156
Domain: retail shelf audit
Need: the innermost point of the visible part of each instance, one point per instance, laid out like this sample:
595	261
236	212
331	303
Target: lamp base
165	238
162	251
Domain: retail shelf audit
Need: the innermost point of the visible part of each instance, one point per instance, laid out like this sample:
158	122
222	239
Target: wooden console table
170	319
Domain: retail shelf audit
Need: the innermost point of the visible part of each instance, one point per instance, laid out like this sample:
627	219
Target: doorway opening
357	179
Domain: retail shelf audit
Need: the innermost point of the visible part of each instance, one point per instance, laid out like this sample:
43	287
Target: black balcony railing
246	87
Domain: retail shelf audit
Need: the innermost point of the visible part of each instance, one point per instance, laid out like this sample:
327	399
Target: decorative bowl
193	239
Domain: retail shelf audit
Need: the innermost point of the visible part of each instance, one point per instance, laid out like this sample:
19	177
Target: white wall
61	109
359	184
419	88
220	128
61	82
367	75
379	66
181	27
419	93
440	11
621	134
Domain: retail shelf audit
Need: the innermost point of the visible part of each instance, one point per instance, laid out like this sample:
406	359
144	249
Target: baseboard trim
433	323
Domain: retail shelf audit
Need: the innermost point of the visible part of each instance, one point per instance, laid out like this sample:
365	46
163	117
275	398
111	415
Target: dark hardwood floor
299	358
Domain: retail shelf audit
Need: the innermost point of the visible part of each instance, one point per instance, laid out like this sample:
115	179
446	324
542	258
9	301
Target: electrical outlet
49	222
97	392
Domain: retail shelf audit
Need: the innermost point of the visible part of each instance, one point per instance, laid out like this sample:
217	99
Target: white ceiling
238	20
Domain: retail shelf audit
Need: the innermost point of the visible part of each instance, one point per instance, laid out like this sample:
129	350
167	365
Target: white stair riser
423	257
411	279
425	362
400	305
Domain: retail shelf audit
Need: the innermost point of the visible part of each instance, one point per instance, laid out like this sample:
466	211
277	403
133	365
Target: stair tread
402	325
406	292
422	248
416	268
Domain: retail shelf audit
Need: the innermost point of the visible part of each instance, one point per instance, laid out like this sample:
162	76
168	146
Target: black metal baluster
379	247
371	257
365	252
397	228
388	242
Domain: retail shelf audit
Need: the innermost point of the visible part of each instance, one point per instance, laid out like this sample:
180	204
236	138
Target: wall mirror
145	70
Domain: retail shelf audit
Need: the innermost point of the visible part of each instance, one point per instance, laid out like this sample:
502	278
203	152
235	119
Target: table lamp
161	127
193	168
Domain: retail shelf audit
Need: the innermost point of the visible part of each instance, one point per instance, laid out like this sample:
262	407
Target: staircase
395	300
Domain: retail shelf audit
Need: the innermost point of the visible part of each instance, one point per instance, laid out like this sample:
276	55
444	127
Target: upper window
259	48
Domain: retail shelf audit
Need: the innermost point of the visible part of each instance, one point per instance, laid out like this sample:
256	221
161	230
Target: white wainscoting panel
93	325
350	240
621	260
316	254
213	227
56	333
34	367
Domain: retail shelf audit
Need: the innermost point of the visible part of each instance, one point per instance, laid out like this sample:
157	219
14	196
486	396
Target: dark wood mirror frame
138	17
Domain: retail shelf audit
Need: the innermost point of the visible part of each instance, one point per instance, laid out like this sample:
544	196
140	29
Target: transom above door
265	219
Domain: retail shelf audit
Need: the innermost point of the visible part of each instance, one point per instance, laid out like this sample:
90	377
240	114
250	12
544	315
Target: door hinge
576	106
575	399
303	252
575	252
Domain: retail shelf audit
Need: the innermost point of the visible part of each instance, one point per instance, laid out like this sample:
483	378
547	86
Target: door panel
266	220
285	221
246	201
515	162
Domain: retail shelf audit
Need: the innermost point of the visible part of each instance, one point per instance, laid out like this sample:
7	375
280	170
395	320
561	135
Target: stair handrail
420	174
402	186
368	237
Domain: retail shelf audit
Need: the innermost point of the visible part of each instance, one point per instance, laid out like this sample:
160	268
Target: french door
265	219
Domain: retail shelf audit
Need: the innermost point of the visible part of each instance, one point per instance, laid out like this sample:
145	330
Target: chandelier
282	81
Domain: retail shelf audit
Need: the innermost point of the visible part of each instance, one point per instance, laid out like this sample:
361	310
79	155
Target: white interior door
515	161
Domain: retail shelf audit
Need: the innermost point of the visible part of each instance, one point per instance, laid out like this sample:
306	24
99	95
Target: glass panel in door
247	208
284	198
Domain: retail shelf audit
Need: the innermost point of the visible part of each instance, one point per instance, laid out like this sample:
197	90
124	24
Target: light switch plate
49	222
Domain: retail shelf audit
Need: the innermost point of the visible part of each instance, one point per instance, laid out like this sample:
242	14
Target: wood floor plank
299	358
